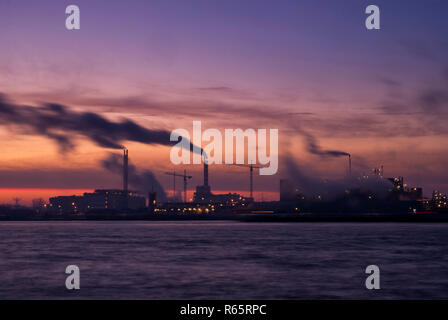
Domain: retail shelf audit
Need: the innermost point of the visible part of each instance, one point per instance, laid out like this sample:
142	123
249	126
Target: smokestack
349	165
205	174
125	170
205	168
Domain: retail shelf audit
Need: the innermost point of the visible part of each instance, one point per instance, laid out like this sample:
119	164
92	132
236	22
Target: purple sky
381	95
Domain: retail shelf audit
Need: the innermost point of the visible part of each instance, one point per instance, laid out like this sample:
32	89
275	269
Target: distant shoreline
333	218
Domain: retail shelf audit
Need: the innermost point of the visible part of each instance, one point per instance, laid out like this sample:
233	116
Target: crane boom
251	167
184	176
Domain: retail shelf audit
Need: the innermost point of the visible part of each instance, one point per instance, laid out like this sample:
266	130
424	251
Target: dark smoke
143	181
61	124
313	147
310	185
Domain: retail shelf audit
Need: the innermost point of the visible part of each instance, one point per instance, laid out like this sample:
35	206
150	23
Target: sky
299	66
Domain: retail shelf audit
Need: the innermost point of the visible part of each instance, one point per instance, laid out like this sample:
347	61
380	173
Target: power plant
204	195
359	198
251	175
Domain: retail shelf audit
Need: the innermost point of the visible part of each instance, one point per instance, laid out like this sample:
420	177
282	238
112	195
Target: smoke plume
61	124
313	147
143	181
311	185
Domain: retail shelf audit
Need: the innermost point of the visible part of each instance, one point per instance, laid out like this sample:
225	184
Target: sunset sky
299	66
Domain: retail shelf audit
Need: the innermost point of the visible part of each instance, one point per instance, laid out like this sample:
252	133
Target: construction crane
251	171
175	175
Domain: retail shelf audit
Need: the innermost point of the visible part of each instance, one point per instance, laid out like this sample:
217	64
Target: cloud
434	100
228	89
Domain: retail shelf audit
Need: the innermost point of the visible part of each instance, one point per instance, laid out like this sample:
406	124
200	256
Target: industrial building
101	199
357	198
113	199
439	200
373	193
204	195
400	191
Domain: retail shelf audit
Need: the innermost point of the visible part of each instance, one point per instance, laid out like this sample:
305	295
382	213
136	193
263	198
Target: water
222	260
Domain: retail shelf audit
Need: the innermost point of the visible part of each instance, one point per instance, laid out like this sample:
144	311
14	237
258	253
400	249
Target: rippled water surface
222	260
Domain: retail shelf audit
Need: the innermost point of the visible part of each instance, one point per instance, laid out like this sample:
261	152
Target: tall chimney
349	165
205	174
125	170
205	169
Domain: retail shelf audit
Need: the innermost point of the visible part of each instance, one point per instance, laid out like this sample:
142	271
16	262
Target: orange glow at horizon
26	195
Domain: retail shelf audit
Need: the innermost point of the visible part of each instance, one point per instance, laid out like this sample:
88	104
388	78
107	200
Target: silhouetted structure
439	200
203	195
112	199
185	178
400	191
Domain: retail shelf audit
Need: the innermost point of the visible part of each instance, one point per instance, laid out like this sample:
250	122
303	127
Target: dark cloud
390	82
380	121
434	100
216	89
394	109
191	108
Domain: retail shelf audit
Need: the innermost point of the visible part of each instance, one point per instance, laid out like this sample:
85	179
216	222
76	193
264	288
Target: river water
222	260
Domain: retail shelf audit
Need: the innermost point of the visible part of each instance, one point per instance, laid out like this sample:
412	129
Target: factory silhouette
204	200
368	195
360	200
